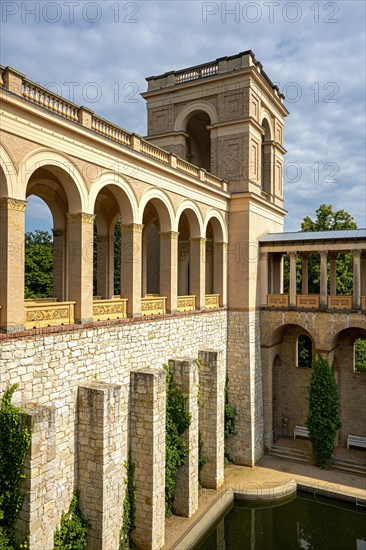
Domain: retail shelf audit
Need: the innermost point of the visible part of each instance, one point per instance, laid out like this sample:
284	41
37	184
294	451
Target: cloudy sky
99	53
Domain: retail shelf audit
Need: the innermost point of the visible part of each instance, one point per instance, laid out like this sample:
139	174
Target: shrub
323	415
73	530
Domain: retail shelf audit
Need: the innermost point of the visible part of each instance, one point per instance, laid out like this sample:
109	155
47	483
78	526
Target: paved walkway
269	472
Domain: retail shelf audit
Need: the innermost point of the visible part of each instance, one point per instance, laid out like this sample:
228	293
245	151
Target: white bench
356	441
301	431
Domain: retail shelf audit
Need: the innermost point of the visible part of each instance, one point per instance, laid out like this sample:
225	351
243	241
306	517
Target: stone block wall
245	386
84	374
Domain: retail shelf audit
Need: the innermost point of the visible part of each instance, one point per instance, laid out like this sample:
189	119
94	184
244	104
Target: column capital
197	240
220	245
323	254
58	232
333	255
169	234
132	228
357	253
80	217
263	255
304	255
7	203
292	255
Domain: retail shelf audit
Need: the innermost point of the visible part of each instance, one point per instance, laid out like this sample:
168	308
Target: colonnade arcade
327	249
171	259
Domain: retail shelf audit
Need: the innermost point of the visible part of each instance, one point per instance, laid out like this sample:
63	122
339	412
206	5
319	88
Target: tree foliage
15	439
177	422
360	355
73	530
323	419
326	219
38	265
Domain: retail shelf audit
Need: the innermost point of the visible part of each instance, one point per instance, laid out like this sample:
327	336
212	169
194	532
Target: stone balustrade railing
106	310
110	130
197	72
41	313
18	84
153	305
48	100
308	300
212	301
340	302
277	300
186	303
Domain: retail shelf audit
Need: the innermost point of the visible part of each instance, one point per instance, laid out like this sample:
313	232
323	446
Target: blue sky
99	53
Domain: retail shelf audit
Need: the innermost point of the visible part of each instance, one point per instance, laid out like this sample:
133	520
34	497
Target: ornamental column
292	256
131	260
263	267
323	279
12	213
169	269
220	272
105	267
59	265
333	273
305	274
80	228
356	278
197	274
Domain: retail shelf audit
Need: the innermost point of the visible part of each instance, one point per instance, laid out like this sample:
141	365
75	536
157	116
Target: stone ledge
98	324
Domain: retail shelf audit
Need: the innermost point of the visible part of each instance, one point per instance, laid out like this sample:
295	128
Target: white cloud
314	52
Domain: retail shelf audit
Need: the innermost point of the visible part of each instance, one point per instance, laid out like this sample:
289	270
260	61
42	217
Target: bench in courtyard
301	431
356	441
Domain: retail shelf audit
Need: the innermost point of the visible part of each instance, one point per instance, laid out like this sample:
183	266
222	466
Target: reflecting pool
310	522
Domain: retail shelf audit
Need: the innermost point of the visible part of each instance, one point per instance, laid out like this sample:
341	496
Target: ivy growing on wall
323	416
230	415
15	440
73	530
128	520
177	422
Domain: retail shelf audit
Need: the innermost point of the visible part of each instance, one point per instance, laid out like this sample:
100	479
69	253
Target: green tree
360	355
326	219
38	278
323	415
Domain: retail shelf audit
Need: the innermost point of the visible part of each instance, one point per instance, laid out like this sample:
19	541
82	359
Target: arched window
266	158
304	352
359	355
199	140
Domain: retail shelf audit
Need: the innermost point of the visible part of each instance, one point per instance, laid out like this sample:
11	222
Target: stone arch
9	186
351	385
218	225
59	165
289	383
184	115
163	207
121	189
194	216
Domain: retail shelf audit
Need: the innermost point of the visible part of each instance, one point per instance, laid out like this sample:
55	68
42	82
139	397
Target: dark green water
306	523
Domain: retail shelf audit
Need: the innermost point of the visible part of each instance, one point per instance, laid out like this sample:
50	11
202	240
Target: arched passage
159	254
290	383
351	385
215	259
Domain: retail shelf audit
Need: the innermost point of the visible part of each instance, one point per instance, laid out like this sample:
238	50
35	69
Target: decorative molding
7	203
80	217
222	245
102	239
58	232
169	235
132	228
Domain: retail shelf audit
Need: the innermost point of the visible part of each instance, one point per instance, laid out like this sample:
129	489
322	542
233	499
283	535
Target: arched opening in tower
199	140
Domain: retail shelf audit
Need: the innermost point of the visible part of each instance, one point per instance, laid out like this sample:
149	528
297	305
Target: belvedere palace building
200	201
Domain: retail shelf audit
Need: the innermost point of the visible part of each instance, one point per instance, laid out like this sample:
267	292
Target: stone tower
227	117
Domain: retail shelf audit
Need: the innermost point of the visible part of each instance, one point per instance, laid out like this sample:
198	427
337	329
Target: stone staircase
300	451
